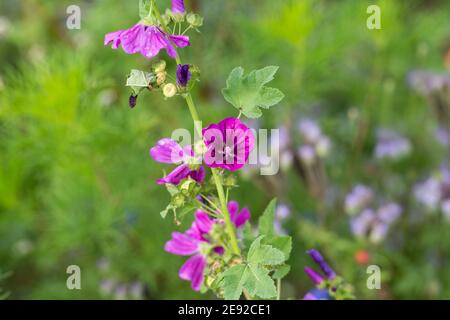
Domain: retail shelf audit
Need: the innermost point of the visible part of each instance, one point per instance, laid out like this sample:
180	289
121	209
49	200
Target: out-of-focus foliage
77	184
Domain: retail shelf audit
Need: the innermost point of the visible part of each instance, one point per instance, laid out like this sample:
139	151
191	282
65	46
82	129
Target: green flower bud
169	90
160	66
229	181
161	77
194	20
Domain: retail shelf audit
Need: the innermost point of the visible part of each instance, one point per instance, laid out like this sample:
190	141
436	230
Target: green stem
193	110
226	215
278	289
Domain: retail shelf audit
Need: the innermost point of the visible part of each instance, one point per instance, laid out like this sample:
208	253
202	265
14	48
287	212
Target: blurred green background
77	183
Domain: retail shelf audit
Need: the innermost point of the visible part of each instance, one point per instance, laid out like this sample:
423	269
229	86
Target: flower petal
181	244
179	173
167	151
193	270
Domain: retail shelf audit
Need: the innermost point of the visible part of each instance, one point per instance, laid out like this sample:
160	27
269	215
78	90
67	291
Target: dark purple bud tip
317	257
132	101
183	75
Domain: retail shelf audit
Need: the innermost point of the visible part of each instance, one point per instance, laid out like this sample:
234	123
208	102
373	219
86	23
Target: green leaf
282	243
139	80
281	272
252	275
264	254
233	280
249	93
265	224
259	283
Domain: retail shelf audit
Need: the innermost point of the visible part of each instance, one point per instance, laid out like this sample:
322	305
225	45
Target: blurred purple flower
178	7
309	131
427	82
375	224
307	154
391	145
358	199
147	40
434	192
228	143
442	136
183	75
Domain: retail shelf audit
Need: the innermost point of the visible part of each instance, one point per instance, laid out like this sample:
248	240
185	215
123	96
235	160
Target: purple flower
358	198
169	151
434	193
178	7
375	224
318	259
309	131
195	243
391	145
183	75
228	143
238	218
190	244
307	154
147	40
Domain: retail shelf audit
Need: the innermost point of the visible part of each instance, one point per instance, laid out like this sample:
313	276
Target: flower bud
132	101
160	66
169	90
194	20
161	77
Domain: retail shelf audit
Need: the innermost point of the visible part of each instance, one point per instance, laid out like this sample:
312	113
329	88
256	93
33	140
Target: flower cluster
225	254
366	221
434	192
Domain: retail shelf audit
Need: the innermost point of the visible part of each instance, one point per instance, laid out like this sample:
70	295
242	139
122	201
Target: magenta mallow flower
178	7
147	40
195	242
169	151
183	75
228	143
